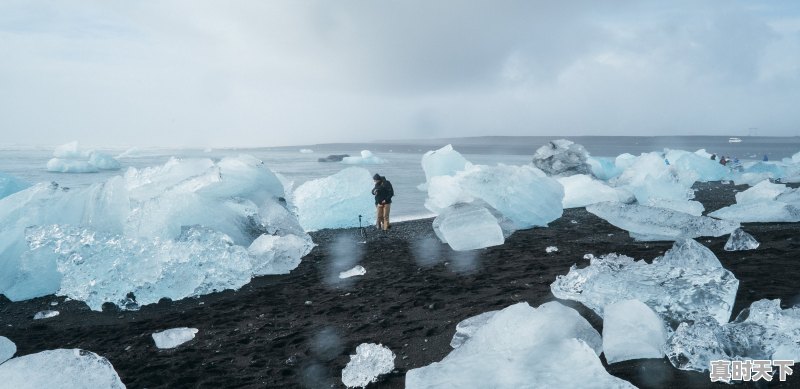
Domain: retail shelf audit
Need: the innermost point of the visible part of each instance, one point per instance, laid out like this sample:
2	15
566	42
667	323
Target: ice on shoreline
358	270
467	327
369	362
45	314
631	330
336	201
65	368
173	337
7	349
686	283
740	240
562	157
468	227
10	185
501	351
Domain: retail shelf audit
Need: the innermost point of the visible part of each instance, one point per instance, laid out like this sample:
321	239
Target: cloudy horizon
276	73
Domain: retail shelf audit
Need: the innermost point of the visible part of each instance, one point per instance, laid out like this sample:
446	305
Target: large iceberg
173	231
366	158
562	157
63	368
336	201
687	282
369	362
631	330
763	331
581	190
10	185
522	347
468	227
646	223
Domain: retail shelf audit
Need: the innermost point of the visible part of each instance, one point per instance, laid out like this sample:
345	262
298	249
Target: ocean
403	158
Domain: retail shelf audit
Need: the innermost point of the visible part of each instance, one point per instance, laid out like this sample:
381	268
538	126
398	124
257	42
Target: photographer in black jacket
383	192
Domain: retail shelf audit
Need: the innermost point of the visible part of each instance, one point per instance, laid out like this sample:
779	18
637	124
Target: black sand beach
297	330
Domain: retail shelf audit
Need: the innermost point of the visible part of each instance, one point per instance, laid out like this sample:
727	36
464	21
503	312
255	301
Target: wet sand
297	330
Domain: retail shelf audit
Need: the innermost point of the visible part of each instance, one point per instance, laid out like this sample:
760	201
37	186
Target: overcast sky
267	73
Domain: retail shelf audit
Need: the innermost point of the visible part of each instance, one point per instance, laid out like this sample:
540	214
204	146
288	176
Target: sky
294	72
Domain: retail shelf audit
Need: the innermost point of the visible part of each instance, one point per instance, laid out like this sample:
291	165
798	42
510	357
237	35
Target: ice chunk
581	190
759	212
763	191
58	165
771	168
63	368
336	201
358	270
694	208
751	178
69	150
551	249
704	168
366	158
501	352
10	185
740	240
604	168
7	349
306	151
370	361
763	331
631	330
468	227
686	282
103	161
443	162
275	254
562	157
791	197
523	194
650	223
467	327
173	337
45	314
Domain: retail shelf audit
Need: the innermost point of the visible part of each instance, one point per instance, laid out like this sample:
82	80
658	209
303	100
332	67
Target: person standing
383	193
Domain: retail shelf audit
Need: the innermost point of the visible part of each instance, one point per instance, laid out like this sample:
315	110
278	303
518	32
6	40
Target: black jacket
383	191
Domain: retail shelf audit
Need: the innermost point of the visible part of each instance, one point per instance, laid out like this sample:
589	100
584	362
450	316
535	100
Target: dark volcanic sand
265	335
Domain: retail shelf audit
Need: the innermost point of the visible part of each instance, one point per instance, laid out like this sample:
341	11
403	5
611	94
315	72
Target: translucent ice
366	158
468	227
153	232
58	165
103	161
502	352
63	368
688	281
336	201
604	168
10	185
358	270
7	349
467	327
694	208
173	337
759	212
581	190
45	314
763	331
70	159
763	191
740	240
562	157
443	162
69	150
631	330
650	223
370	361
523	194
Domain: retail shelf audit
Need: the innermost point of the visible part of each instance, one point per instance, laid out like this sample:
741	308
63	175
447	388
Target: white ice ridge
366	158
173	337
686	283
501	353
740	240
763	331
358	270
370	361
646	223
7	349
186	228
336	201
62	368
631	330
562	157
468	227
70	159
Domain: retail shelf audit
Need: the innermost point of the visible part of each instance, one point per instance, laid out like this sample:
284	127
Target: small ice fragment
740	240
573	221
173	337
358	270
45	314
62	368
7	349
551	249
370	361
631	330
53	303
